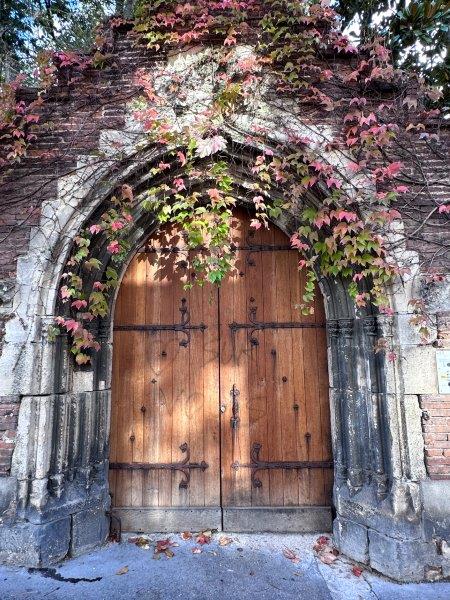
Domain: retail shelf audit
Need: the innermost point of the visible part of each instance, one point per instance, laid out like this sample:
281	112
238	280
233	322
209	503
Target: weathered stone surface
89	529
351	539
414	437
403	560
7	492
418	369
34	545
436	507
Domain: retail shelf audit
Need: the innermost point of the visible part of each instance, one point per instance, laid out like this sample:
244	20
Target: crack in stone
52	574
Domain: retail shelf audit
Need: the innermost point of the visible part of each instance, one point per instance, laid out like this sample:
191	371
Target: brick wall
436	428
436	416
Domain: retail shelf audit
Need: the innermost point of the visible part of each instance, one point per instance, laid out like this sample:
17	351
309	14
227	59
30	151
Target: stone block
417	366
414	437
304	519
90	529
31	545
407	335
83	381
7	492
436	508
351	539
401	560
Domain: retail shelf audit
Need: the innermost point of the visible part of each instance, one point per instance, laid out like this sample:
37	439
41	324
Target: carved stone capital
370	326
346	328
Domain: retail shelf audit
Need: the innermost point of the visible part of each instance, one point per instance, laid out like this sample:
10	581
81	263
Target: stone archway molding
60	463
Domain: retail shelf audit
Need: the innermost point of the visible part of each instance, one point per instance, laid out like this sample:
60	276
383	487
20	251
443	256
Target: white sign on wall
443	370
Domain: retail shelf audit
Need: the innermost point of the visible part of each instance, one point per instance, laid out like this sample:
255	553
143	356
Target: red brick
438	460
437	425
435	405
439	470
434	452
430	438
439	412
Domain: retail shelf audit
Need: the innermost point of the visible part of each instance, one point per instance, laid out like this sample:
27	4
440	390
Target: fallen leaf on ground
225	541
320	543
140	541
357	571
328	557
204	537
325	551
196	550
163	547
186	535
291	555
122	571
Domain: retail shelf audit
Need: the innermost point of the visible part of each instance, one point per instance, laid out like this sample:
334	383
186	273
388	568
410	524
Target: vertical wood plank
257	397
211	399
274	450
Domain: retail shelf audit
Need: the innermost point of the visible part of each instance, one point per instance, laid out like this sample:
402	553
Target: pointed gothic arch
61	457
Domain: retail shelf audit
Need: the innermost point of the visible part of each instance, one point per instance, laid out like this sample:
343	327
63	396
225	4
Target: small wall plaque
443	370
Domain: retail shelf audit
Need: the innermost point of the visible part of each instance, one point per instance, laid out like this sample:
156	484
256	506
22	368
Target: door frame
300	517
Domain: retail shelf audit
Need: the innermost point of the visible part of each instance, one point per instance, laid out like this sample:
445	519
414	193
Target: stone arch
60	461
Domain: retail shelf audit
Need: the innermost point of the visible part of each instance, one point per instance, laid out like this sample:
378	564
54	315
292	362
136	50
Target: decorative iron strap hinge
255	325
257	464
234	393
184	466
184	326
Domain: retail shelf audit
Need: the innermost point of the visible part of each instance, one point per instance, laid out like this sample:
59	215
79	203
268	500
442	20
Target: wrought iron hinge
184	326
234	393
184	466
257	464
254	325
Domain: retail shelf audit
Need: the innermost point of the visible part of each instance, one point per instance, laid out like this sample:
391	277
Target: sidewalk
259	566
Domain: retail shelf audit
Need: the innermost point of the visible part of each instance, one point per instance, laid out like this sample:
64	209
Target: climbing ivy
299	59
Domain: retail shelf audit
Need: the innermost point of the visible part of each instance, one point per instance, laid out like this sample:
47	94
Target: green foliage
28	27
417	33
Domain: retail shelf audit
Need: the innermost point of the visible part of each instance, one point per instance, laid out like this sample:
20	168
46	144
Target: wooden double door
220	413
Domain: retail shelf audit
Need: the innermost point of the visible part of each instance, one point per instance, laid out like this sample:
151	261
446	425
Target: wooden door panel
213	391
281	374
165	386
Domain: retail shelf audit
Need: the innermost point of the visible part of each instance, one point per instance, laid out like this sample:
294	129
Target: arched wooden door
220	413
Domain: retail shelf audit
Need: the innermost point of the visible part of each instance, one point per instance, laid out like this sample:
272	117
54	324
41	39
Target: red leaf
291	555
333	181
204	538
72	325
371	118
357	571
79	304
113	247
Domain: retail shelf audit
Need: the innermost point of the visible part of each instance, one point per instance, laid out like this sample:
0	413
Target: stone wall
388	420
9	411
